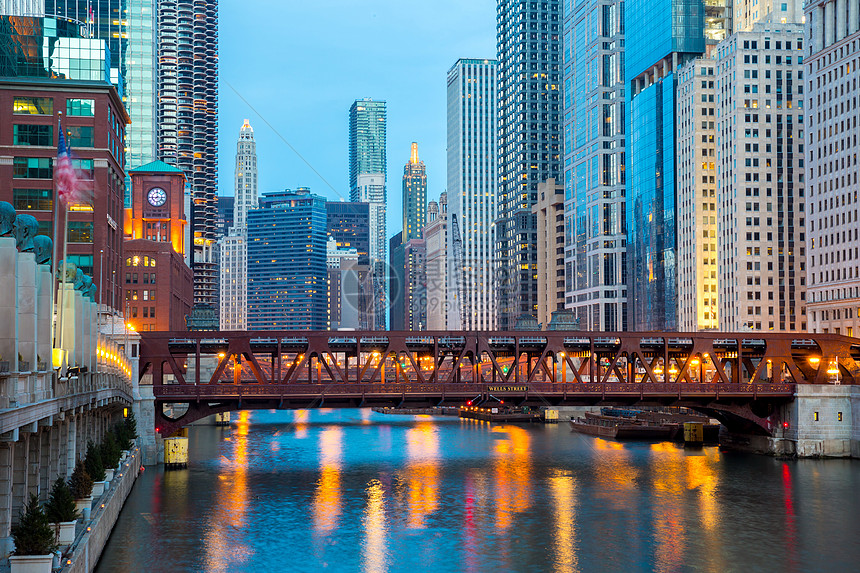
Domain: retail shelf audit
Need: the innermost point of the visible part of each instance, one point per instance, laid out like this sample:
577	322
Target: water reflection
422	472
327	502
224	540
374	557
563	489
352	491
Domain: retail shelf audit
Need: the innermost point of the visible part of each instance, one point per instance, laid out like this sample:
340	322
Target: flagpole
56	206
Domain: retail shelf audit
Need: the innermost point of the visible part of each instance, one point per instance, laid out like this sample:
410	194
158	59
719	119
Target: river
353	490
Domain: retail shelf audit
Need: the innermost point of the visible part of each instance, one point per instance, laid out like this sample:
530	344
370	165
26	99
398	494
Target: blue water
351	490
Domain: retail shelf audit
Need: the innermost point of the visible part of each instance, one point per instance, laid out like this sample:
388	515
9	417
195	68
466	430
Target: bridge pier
823	421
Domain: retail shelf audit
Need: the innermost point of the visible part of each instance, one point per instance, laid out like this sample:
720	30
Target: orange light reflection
422	472
327	502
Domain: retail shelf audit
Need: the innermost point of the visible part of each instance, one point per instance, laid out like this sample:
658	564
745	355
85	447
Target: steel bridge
739	378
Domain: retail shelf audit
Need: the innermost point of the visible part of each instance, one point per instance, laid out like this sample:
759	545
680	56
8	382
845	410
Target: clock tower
158	205
157	281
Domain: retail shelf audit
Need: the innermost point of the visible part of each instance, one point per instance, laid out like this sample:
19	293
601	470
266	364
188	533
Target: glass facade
50	48
287	271
414	197
349	225
528	36
651	205
594	164
367	133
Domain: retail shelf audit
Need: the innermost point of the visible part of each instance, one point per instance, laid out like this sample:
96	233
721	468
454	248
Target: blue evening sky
294	67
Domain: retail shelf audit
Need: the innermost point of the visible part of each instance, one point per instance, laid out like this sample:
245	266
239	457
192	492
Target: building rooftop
156	167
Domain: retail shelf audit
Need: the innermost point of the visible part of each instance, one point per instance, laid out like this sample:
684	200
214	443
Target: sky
294	68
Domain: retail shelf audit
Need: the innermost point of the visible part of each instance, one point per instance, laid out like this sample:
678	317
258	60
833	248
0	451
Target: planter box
109	475
31	563
82	504
66	532
98	488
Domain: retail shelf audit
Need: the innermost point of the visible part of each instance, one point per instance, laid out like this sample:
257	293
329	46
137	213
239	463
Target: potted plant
94	467
127	432
81	485
110	454
62	512
34	540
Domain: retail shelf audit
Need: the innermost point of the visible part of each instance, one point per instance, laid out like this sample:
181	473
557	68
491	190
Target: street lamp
833	370
563	368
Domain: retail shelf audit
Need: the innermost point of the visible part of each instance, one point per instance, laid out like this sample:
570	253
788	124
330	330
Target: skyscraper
367	184
348	225
414	196
287	273
760	179
188	122
594	174
233	259
660	38
529	145
831	50
436	264
472	185
367	131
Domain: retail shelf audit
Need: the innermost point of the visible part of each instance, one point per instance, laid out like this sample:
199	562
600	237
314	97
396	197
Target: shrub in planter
110	451
61	503
33	535
93	462
126	432
81	484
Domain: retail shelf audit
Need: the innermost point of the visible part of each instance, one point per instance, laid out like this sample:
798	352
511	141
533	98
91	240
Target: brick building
159	285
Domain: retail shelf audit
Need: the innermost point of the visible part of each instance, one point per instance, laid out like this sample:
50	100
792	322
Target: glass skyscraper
594	159
472	184
529	77
660	38
367	183
287	273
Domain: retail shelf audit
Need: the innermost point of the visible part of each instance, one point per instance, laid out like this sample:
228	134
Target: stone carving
7	218
43	247
25	228
79	279
71	271
85	284
92	292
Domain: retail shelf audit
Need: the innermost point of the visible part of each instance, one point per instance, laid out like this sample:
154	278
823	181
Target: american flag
65	179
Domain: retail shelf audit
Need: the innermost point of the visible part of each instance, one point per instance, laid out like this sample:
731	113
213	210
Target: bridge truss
743	375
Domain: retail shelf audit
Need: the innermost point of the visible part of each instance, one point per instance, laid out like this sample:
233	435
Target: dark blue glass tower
287	262
661	36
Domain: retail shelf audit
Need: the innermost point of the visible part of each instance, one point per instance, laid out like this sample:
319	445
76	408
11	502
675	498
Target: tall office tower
287	272
129	27
397	282
760	179
747	12
436	246
408	282
594	156
549	210
659	40
348	224
528	42
697	197
832	46
246	176
233	255
472	185
367	131
225	214
344	287
414	196
187	118
371	190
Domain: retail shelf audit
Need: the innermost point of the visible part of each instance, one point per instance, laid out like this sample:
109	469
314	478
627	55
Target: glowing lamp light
58	357
814	360
221	355
694	361
833	369
785	425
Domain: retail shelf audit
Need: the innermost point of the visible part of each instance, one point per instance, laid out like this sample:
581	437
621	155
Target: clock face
157	196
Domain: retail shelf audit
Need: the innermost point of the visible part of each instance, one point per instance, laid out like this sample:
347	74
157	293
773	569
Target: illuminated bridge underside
737	378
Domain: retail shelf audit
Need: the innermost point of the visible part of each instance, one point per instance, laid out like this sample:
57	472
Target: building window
838	416
80	136
33	105
33	135
80	232
33	199
134	312
152	315
84	168
32	168
815	416
83	262
81	107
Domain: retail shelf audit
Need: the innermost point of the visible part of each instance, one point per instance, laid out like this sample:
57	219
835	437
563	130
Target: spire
413	159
